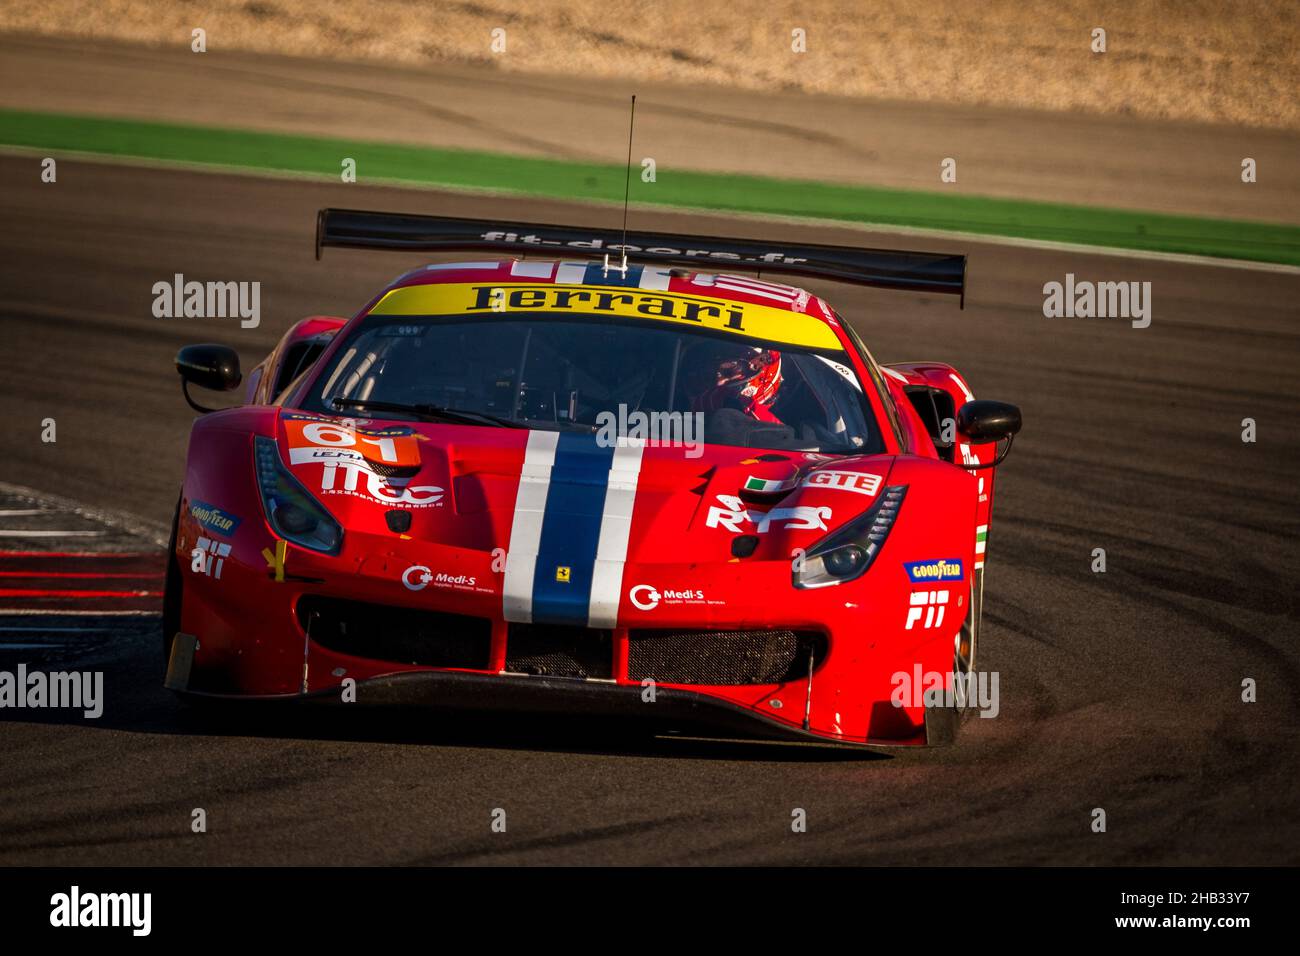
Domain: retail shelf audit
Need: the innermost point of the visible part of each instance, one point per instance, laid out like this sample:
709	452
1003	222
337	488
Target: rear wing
884	268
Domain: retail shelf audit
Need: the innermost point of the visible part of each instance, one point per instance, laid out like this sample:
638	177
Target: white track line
52	612
56	630
151	531
5	533
18	512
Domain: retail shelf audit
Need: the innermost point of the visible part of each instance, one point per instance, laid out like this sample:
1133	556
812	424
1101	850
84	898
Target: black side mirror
983	421
208	366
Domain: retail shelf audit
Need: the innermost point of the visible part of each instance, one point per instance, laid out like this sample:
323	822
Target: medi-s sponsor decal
943	569
417	577
647	597
341	446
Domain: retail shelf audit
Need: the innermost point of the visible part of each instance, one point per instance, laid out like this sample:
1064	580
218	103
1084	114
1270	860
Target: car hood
570	496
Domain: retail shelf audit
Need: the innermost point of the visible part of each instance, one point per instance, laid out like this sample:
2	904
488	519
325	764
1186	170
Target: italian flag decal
764	486
981	539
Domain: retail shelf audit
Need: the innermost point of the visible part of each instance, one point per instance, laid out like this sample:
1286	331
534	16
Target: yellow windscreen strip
724	315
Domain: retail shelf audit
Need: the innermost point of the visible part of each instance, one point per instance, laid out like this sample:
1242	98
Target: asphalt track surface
1119	690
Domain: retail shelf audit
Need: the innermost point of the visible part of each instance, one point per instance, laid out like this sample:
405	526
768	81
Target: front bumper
455	691
250	642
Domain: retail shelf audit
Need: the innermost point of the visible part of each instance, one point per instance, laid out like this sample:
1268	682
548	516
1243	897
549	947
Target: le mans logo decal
925	572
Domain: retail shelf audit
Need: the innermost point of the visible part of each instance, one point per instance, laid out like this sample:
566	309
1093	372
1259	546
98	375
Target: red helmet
744	378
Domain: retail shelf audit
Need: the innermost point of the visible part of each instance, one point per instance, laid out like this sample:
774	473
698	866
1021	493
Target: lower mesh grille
559	651
396	634
721	657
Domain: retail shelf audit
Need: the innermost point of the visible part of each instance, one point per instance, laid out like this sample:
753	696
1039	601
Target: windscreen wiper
427	411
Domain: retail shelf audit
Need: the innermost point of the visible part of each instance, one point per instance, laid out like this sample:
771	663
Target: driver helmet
743	377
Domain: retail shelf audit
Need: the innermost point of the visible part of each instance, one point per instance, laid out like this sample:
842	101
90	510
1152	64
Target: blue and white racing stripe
594	273
526	529
569	537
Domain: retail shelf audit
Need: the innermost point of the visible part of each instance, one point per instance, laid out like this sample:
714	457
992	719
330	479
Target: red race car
579	485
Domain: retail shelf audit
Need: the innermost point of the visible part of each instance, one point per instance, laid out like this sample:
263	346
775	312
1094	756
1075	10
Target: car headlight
846	553
293	513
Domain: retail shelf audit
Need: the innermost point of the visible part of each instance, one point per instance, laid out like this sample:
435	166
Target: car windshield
587	374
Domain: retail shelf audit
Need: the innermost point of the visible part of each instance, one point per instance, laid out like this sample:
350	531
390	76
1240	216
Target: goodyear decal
944	569
213	518
740	318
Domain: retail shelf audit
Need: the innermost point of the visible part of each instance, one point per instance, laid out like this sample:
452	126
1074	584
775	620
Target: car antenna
627	187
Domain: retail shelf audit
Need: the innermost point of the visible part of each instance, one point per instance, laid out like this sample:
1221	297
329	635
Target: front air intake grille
397	634
559	651
722	657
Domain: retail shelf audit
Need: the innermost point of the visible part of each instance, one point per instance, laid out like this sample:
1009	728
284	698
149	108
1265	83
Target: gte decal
931	604
925	572
733	514
208	557
857	482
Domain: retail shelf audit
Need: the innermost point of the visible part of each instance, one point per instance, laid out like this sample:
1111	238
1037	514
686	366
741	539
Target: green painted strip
561	179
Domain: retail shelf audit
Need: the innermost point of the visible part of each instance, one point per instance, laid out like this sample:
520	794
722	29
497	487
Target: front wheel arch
173	586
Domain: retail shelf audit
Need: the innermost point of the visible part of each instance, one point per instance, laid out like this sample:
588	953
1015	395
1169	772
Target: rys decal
732	514
213	518
943	569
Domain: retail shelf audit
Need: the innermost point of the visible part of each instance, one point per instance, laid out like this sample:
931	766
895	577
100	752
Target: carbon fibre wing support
883	268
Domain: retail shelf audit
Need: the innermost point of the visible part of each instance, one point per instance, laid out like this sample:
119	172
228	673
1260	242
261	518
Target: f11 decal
209	556
931	604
